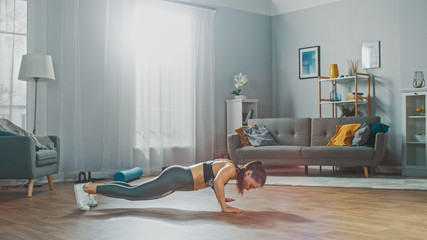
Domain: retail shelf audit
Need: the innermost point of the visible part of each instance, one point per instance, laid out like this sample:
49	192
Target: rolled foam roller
128	175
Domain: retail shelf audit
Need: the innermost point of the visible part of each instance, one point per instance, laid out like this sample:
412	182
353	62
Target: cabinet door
414	124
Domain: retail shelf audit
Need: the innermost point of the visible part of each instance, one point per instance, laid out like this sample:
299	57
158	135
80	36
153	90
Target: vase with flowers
240	81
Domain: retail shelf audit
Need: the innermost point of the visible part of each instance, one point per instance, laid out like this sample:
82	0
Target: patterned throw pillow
260	136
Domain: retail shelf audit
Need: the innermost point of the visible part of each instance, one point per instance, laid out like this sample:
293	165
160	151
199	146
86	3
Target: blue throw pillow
376	128
6	134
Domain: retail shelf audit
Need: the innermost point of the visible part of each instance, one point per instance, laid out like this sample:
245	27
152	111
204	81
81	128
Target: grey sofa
303	141
20	160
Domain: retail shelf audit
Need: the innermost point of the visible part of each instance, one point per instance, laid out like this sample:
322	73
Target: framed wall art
371	55
309	62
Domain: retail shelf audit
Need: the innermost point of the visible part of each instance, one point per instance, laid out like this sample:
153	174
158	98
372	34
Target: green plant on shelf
347	112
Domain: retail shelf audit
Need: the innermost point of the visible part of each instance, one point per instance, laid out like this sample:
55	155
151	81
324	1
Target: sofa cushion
361	135
344	134
259	136
46	157
323	129
274	152
337	152
287	131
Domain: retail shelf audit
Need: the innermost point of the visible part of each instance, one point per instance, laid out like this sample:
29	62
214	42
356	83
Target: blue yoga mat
128	175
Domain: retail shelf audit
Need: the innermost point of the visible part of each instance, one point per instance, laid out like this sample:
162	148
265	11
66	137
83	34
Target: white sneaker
82	198
92	199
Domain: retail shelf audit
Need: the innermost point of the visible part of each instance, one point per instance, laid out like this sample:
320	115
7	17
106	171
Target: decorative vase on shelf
333	71
333	96
239	97
418	80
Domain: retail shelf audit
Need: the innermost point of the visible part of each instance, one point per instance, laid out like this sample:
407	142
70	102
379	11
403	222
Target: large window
164	86
13	44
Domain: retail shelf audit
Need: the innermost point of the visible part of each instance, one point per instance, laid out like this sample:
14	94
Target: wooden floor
273	212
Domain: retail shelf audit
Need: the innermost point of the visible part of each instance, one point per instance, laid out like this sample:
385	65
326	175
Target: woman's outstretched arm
224	174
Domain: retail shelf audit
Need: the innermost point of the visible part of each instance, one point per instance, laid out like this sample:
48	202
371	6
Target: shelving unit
356	102
237	112
414	123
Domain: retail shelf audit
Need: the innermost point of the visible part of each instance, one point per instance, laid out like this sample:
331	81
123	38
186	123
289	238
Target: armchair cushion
46	157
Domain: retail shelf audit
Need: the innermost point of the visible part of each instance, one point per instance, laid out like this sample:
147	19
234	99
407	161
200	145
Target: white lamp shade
36	66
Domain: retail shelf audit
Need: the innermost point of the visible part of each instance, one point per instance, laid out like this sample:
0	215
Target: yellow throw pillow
344	134
244	141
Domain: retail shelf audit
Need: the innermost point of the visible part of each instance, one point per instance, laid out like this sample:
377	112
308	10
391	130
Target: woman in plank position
213	174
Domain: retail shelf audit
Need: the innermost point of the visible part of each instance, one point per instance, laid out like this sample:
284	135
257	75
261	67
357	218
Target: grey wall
413	36
243	44
340	29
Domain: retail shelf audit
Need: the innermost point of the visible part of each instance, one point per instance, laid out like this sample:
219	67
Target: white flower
240	81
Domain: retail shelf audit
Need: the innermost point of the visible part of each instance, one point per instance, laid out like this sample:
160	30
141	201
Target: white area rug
373	182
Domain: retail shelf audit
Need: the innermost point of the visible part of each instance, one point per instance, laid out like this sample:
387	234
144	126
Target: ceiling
265	7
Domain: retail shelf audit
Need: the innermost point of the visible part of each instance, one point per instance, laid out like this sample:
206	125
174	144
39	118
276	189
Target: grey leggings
173	178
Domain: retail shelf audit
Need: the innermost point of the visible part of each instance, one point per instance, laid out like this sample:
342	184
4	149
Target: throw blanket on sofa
41	142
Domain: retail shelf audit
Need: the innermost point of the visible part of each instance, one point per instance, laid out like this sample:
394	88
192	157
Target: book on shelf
248	115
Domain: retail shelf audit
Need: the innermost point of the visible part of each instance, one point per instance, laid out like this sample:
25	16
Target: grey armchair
20	160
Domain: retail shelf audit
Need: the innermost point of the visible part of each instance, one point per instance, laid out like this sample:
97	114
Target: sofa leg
30	187
306	169
365	169
320	168
50	181
372	170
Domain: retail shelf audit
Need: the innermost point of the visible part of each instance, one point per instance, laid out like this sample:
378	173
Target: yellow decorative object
421	110
333	71
351	96
344	134
244	141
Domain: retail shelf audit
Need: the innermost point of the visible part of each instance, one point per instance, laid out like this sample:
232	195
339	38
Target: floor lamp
39	68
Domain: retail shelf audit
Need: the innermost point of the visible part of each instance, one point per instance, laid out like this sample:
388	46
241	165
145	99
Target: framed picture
371	55
309	62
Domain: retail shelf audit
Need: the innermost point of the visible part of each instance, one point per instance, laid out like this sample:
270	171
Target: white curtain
13	44
159	82
67	89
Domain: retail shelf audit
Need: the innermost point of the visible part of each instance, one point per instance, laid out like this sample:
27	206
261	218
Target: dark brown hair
258	173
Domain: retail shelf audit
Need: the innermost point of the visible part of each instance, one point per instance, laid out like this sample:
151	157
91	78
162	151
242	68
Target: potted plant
240	81
347	112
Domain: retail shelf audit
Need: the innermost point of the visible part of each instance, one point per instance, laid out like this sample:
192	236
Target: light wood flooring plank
273	212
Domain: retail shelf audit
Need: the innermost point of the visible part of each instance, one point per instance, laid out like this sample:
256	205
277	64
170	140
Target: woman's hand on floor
232	210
